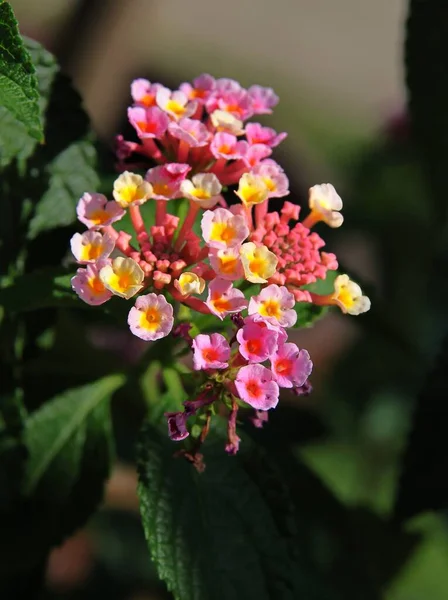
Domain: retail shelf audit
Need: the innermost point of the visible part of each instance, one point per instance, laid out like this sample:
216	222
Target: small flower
166	180
131	190
189	283
255	385
95	211
255	154
274	304
232	98
257	343
151	318
144	92
148	122
201	89
273	177
291	367
225	145
257	134
263	99
259	263
252	189
177	425
210	351
348	296
88	285
223	229
226	262
175	104
203	188
224	121
191	131
325	204
123	277
91	246
223	299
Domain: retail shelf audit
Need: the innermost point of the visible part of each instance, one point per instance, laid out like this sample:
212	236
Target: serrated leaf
422	484
18	82
212	535
69	445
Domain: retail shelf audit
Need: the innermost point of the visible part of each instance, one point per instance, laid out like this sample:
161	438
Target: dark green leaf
18	83
215	534
308	313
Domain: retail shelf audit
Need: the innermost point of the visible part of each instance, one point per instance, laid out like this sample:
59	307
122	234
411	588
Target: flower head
325	204
144	92
274	304
148	122
223	299
201	89
255	154
131	190
191	131
203	188
257	134
224	121
210	351
166	180
189	283
232	98
123	277
226	262
223	229
95	211
348	296
263	99
258	262
88	285
175	104
257	342
273	177
91	246
226	145
151	318
291	367
255	385
252	189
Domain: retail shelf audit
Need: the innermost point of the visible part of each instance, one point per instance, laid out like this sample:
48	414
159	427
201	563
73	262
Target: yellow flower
131	190
348	296
259	263
325	204
123	277
189	283
252	189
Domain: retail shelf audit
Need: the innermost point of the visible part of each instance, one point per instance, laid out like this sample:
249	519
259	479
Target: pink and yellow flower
257	134
224	121
91	246
226	262
223	229
256	387
167	179
349	297
274	304
223	299
151	318
191	131
225	145
259	263
95	211
88	285
257	342
273	177
123	277
189	283
291	366
203	188
131	190
144	92
252	189
148	122
210	351
325	204
263	99
175	104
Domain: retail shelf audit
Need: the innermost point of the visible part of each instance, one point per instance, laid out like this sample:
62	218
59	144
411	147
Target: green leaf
69	446
215	534
308	313
18	83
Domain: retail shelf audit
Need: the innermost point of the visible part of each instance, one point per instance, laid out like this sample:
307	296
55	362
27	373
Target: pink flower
88	285
222	229
148	122
274	304
255	385
95	211
263	99
201	89
191	131
225	145
232	98
257	343
175	104
91	246
226	262
257	134
210	351
273	177
166	180
144	92
223	299
255	154
281	334
291	367
151	318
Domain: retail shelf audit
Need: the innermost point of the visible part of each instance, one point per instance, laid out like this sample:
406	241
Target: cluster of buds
240	262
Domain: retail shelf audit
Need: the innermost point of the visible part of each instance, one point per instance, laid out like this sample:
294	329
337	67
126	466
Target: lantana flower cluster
248	267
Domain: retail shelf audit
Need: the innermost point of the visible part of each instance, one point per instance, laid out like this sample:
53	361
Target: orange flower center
253	388
210	354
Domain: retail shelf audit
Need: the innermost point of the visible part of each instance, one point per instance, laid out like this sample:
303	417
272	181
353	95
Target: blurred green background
337	69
